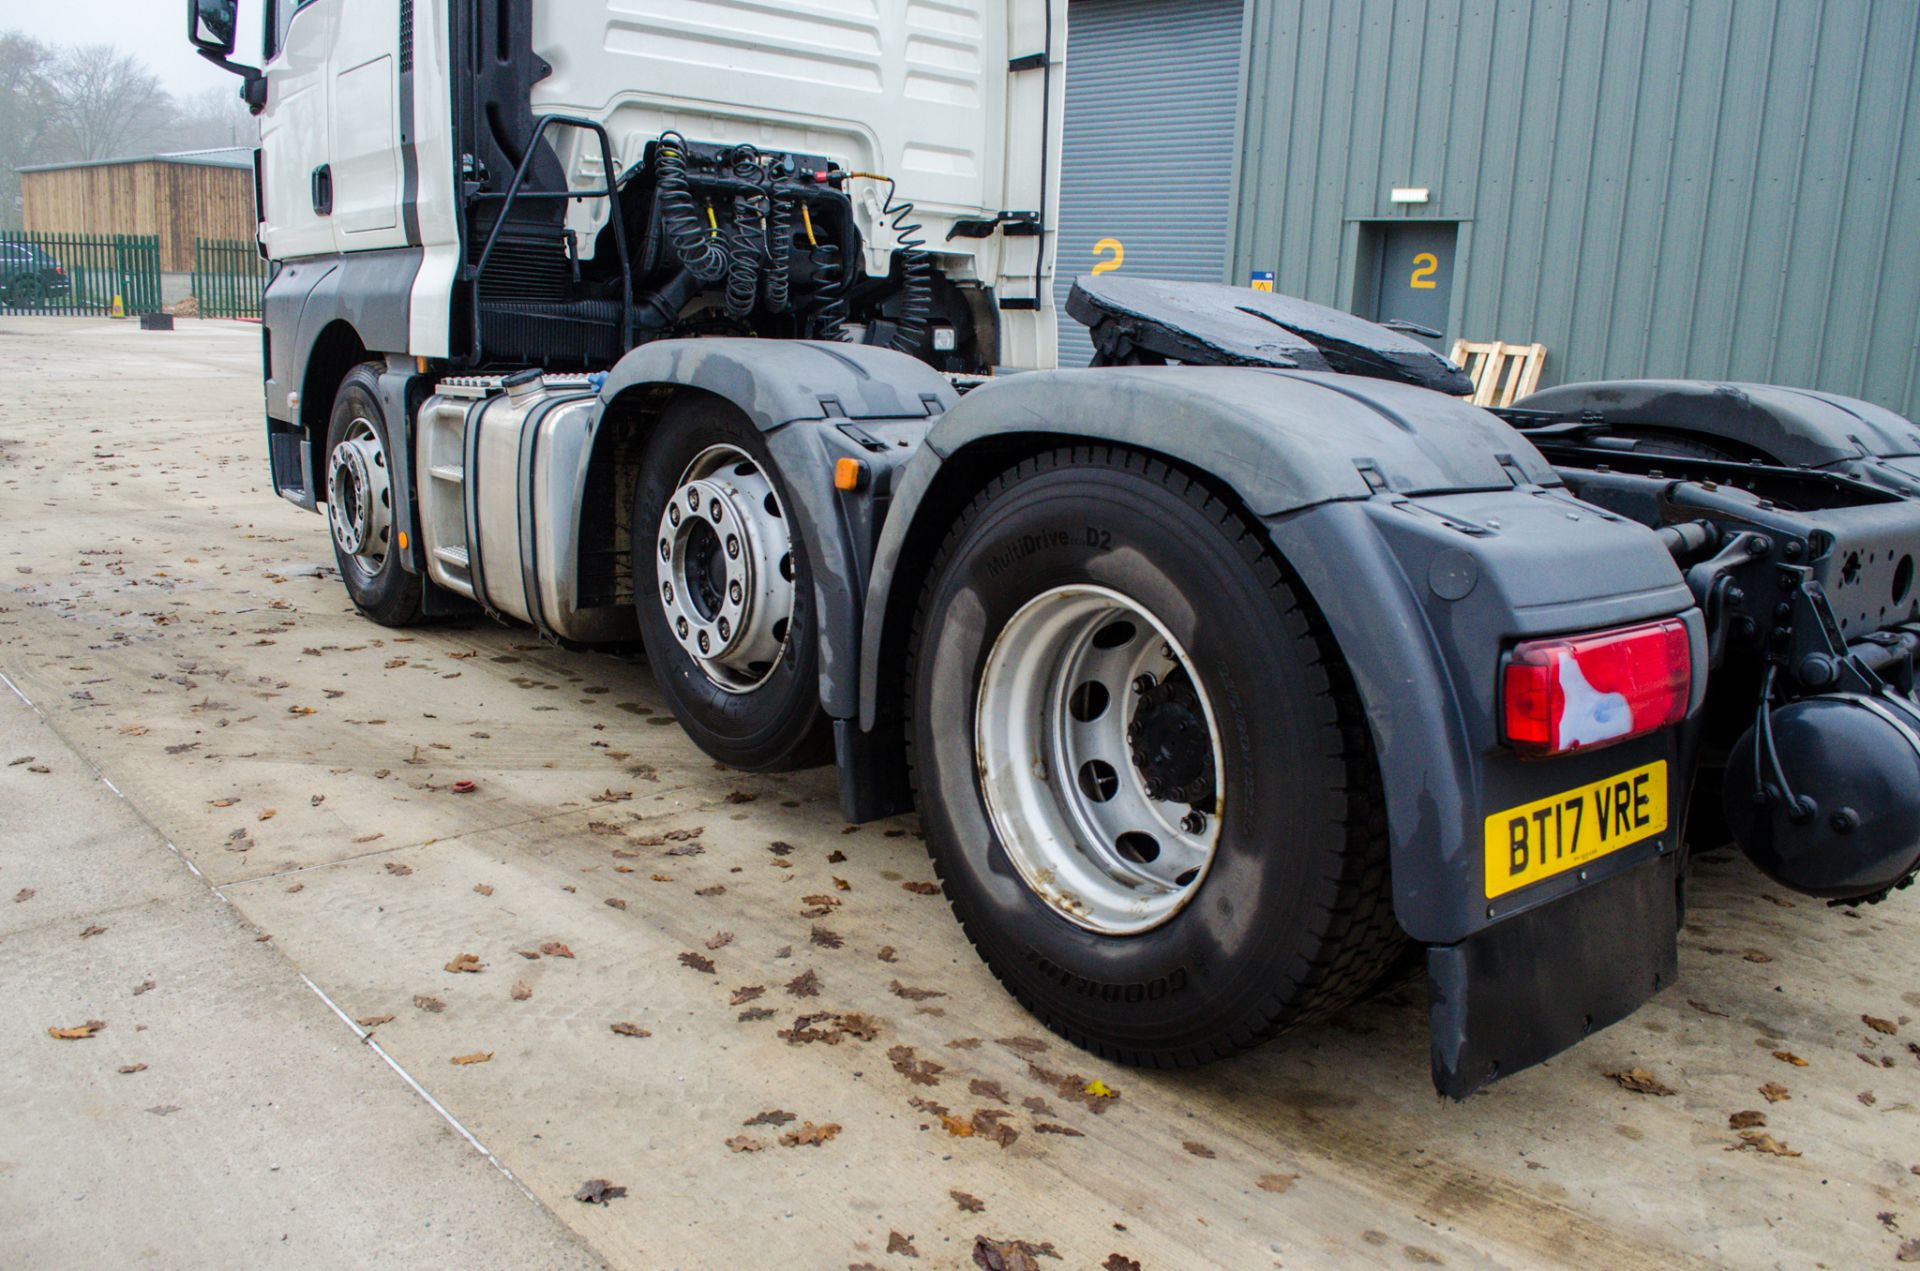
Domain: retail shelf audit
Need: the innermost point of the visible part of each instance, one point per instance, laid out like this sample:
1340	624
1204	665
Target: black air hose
829	293
916	268
694	243
746	241
779	274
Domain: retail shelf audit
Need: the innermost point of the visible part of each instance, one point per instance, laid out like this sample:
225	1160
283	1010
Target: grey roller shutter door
1153	89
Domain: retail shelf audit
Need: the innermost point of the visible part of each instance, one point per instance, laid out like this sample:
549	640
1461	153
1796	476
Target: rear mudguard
1428	533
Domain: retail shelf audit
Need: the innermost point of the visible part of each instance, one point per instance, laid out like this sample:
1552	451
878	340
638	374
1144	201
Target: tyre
724	592
360	498
1144	775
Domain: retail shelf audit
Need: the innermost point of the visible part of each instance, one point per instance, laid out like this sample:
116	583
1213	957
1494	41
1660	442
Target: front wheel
1142	767
361	493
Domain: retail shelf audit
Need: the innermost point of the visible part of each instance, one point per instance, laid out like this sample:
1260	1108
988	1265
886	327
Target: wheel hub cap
726	569
1098	755
359	496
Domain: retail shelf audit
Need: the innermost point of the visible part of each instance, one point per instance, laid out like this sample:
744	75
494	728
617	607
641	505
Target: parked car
31	276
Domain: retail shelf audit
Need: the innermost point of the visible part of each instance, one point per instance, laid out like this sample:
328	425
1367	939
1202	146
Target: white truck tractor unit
1232	677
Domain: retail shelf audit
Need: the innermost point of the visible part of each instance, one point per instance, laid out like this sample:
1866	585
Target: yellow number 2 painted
1425	266
1105	245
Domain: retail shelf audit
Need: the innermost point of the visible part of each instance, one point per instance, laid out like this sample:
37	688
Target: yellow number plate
1550	836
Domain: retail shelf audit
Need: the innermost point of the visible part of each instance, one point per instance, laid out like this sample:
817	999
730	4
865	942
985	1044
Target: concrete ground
182	631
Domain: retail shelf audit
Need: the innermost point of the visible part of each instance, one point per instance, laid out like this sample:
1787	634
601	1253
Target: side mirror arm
253	84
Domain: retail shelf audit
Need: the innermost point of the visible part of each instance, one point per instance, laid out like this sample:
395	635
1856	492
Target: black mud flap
1528	988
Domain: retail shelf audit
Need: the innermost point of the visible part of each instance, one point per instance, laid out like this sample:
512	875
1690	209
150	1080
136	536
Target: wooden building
204	193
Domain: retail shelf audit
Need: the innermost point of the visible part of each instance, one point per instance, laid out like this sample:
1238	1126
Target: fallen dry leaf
221	803
614	902
1788	1057
613	796
922	889
78	1032
1761	1141
627	1028
968	1204
958	1127
598	1191
1879	1025
1200	1150
267	814
826	939
400	871
1640	1081
912	994
1276	1183
805	984
921	1072
745	1143
554	949
432	1005
772	1116
1775	1092
23	895
719	940
1100	1089
1748	1120
296	887
477	1057
1909	1251
468	963
697	962
1010	1255
93	929
1754	955
1119	1262
897	1243
126	1069
741	996
718	889
483	889
374	1021
145	986
887	953
520	991
809	1134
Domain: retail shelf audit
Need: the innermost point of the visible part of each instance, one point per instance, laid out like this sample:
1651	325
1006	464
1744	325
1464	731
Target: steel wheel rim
726	569
360	497
1081	760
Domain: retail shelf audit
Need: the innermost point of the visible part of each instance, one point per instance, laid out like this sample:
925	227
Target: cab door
364	124
295	219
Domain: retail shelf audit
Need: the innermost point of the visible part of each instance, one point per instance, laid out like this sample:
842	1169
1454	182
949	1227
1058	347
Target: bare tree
107	103
211	118
26	113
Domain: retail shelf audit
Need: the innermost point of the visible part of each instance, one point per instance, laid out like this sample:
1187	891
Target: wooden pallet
1502	373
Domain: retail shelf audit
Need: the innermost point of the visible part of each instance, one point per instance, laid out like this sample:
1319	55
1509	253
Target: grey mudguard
1791	425
798	392
776	382
1282	439
1429	534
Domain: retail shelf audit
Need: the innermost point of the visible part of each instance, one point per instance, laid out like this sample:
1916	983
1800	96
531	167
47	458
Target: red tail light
1578	692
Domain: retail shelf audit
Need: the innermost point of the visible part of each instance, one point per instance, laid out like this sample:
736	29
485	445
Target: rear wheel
724	592
361	493
1144	776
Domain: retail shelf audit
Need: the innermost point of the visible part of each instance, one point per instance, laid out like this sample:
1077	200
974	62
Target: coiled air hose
779	275
916	267
746	241
694	243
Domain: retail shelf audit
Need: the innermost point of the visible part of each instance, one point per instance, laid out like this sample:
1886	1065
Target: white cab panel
293	134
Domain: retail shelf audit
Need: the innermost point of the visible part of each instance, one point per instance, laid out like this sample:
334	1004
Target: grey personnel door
1146	183
1415	278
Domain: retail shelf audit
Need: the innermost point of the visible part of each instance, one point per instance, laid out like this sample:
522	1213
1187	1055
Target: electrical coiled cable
779	276
829	293
746	241
694	243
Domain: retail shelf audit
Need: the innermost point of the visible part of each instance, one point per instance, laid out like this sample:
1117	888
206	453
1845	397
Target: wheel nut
714	511
680	626
673	514
726	629
666	592
1194	823
666	550
733	547
1143	682
703	642
733	591
693	500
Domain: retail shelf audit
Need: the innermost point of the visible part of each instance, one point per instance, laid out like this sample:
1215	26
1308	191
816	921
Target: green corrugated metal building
1711	189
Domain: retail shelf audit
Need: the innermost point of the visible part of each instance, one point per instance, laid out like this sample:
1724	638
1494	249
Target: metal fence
82	274
228	278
